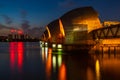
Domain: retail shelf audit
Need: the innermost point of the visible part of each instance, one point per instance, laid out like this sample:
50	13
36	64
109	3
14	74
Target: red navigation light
20	32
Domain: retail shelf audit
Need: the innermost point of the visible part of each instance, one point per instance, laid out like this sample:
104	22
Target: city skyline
39	13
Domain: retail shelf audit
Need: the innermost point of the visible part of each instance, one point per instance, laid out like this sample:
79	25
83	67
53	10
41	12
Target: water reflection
12	55
45	64
54	62
46	52
16	55
48	63
43	54
59	66
59	60
55	68
20	56
97	66
90	74
107	66
62	72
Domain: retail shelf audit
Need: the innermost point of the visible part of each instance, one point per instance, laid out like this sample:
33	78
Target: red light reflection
12	54
16	55
20	55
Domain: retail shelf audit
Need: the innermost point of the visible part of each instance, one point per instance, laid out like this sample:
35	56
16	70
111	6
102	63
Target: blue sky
38	13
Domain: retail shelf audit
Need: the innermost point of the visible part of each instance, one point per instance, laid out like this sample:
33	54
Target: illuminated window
54	45
59	46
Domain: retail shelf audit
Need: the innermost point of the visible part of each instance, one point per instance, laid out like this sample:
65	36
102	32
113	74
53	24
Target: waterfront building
73	27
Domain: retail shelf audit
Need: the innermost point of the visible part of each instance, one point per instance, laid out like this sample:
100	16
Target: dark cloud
2	26
23	13
35	32
67	3
5	27
25	25
7	19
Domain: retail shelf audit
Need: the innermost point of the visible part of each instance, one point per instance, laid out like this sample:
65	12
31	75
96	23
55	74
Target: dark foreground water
27	61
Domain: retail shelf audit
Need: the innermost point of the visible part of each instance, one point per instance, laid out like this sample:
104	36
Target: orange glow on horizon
61	28
49	35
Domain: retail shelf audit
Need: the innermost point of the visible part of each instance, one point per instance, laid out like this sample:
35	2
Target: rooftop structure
109	23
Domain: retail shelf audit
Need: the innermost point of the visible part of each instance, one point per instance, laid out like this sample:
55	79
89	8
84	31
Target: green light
59	50
59	60
46	44
7	40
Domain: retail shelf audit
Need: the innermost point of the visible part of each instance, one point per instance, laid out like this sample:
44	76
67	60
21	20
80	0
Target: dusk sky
38	13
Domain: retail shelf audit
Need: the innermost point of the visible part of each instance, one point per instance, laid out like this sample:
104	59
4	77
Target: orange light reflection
62	72
49	65
97	65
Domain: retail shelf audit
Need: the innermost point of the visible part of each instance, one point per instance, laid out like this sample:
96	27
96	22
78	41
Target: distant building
11	34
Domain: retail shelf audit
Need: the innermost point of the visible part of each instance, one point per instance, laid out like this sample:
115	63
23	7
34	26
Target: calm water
27	61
